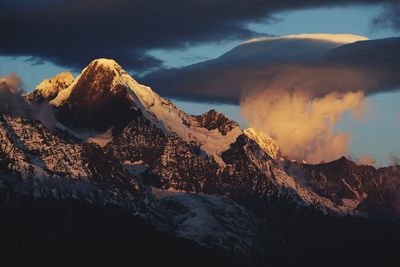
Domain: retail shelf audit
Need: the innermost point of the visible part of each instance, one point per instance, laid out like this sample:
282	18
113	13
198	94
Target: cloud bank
73	32
315	65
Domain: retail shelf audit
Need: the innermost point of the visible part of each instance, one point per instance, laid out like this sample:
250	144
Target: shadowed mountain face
97	101
198	182
342	178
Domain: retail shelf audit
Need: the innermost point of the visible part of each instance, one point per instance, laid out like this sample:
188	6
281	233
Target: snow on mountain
268	144
106	77
35	152
49	88
171	162
208	220
54	166
251	172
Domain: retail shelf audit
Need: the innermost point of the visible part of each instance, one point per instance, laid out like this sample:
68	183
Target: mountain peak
106	64
215	120
48	89
266	143
343	160
101	77
104	61
99	98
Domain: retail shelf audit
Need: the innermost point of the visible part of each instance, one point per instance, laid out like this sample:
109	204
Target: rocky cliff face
213	120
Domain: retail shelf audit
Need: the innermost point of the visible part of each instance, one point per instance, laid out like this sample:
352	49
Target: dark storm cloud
287	65
73	32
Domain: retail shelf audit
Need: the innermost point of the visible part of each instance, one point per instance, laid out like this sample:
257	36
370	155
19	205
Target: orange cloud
303	125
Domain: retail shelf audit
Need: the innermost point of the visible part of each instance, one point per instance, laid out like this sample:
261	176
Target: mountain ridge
200	178
186	145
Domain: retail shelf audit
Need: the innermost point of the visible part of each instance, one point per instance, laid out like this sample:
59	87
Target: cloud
303	125
12	102
366	160
225	79
394	160
369	66
73	32
389	17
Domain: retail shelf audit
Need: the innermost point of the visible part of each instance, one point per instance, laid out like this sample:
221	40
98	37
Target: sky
183	37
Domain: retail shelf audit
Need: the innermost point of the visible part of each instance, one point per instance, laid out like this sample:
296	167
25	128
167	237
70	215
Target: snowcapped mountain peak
49	88
104	96
111	63
107	65
266	143
100	77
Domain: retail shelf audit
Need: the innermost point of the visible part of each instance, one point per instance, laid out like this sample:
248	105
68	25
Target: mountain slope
37	152
57	169
360	186
168	161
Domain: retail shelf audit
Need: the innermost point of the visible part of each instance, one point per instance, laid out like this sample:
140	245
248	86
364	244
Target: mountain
173	149
165	147
118	153
213	120
49	88
105	96
44	170
359	185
